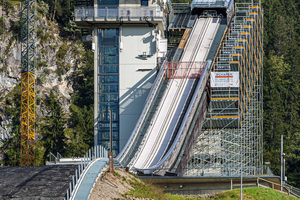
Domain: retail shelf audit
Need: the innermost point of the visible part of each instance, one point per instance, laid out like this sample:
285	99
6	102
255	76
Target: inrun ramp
160	136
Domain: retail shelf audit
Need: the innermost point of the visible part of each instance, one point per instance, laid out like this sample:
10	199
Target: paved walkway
89	179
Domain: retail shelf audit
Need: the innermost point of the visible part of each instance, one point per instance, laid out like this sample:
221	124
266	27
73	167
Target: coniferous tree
53	127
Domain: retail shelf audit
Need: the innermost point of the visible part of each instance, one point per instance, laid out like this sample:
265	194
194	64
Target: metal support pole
90	155
73	182
76	175
283	169
96	151
93	156
281	163
71	189
230	184
111	156
68	194
83	164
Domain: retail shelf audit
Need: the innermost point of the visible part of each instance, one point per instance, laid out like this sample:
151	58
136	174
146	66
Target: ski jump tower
214	68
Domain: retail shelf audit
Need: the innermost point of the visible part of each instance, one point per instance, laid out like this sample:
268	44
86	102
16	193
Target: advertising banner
224	79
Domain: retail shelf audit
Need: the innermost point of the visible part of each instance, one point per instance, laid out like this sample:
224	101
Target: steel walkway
85	187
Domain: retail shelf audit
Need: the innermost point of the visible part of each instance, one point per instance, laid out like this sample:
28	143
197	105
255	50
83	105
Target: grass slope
142	190
254	194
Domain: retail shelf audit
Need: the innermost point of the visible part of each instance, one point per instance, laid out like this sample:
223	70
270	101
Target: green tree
281	85
82	110
53	127
82	126
11	146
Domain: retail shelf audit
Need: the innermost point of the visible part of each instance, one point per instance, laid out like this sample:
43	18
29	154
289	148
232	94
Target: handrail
51	155
293	190
92	154
288	189
132	139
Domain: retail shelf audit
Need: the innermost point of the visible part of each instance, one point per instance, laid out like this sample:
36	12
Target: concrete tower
127	39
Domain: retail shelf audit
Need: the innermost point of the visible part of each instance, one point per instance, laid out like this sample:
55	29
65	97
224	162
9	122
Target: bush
62	52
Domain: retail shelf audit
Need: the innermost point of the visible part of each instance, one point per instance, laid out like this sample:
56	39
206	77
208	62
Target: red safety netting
184	69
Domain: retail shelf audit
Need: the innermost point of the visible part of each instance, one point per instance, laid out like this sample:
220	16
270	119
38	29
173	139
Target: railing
211	3
292	190
92	154
84	12
118	13
184	69
52	158
285	188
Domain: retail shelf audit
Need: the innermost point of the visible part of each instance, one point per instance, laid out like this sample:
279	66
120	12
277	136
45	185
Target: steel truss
231	140
28	63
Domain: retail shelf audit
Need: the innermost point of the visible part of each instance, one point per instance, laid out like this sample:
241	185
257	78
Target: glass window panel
105	114
110	32
105	135
110	59
108	2
109	97
109	69
115	144
144	2
111	41
109	79
109	88
115	152
110	50
105	117
107	126
105	144
116	135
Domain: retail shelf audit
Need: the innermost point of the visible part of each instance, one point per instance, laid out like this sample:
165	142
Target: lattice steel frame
231	141
28	63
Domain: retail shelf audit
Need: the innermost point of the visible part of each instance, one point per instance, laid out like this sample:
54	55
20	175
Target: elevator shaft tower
28	63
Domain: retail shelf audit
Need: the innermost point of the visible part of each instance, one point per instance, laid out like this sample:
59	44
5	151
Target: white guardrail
118	12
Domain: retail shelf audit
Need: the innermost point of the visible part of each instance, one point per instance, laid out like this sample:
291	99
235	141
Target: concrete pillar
95	8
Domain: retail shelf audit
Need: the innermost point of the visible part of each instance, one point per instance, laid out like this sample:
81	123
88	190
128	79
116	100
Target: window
108	80
144	2
108	2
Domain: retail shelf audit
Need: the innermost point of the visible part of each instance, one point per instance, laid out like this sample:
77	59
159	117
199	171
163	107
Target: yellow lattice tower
28	63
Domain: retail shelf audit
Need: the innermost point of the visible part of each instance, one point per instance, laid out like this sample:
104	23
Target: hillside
123	185
64	85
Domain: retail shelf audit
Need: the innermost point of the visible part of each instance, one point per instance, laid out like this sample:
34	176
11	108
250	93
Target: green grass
254	194
142	190
152	192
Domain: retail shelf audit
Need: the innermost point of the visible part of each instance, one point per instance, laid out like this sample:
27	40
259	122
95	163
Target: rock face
57	60
44	182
